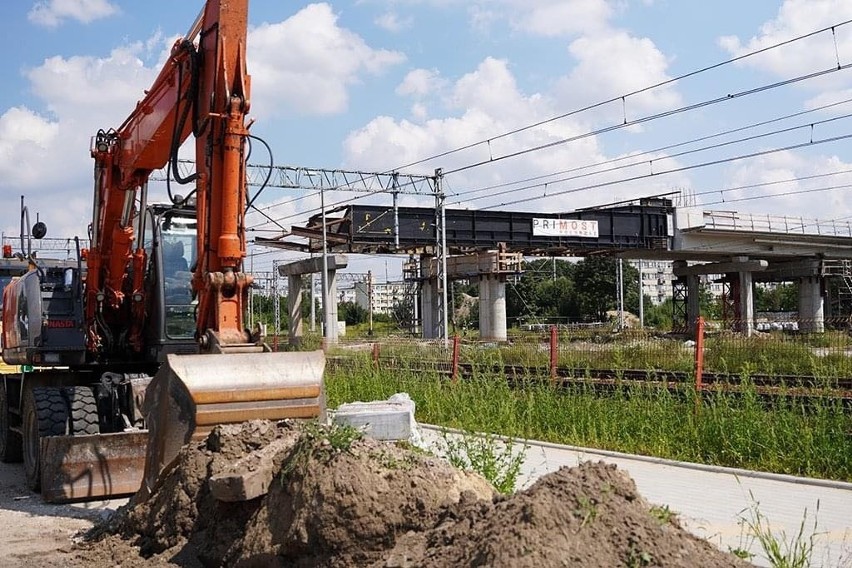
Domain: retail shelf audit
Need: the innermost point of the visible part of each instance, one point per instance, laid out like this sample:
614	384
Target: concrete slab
711	502
250	476
391	419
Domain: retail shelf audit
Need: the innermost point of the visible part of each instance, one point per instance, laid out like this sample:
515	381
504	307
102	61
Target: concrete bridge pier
693	310
294	308
429	305
745	307
739	270
811	305
492	308
294	273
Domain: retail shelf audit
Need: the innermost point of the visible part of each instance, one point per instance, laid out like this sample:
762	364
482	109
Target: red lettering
60	324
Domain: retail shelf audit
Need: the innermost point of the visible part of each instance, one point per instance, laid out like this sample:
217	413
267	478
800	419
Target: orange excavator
142	345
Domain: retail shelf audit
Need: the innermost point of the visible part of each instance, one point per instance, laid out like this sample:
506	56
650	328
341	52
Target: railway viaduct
488	247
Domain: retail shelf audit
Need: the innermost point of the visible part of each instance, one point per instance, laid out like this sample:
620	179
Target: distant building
657	277
385	295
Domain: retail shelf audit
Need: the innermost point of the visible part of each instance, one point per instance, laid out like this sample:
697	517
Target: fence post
455	372
699	353
554	350
376	355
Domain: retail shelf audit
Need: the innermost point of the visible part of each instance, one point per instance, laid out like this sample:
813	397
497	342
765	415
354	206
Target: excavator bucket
191	394
80	468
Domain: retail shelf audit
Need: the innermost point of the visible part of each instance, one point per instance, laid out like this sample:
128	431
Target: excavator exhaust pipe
191	394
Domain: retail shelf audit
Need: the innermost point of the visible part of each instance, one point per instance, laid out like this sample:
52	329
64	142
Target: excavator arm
202	90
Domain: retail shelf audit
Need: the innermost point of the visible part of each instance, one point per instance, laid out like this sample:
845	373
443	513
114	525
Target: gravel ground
37	534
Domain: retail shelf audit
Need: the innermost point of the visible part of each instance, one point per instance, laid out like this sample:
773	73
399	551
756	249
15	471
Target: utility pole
276	305
251	294
641	297
328	313
312	281
620	284
441	246
370	300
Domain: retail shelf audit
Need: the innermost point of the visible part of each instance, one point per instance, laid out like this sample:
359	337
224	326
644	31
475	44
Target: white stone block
391	419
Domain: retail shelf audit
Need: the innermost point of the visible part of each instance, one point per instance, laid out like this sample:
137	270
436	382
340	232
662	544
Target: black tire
83	411
45	414
11	450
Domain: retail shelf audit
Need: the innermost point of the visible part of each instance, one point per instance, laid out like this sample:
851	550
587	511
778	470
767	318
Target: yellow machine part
188	396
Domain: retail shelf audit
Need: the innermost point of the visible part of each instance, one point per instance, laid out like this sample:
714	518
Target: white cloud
549	18
305	64
45	154
92	87
558	17
796	18
25	142
785	171
487	102
390	21
51	13
631	64
420	83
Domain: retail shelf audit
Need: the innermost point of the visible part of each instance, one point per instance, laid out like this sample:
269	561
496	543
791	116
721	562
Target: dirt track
36	534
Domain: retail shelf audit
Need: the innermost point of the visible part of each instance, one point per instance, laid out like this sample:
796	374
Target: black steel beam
371	228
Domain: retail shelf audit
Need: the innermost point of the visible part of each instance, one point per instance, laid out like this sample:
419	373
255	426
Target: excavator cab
170	243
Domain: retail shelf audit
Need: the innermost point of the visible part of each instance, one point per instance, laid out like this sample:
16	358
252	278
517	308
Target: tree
352	313
783	297
402	313
594	281
544	290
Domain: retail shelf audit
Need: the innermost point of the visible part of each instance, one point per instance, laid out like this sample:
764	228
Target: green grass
722	429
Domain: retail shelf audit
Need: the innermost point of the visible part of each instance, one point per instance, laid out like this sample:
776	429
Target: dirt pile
338	500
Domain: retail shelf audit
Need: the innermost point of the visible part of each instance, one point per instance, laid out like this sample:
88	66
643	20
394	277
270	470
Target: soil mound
336	499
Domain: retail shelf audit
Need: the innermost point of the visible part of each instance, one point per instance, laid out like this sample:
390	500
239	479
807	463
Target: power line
651	162
675	170
633	156
649	118
626	123
630	94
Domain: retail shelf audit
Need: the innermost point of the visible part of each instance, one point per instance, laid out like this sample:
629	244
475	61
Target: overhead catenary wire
653	117
660	159
622	97
675	170
634	156
600	131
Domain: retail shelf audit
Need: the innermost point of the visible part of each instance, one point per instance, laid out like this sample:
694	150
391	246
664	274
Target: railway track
566	377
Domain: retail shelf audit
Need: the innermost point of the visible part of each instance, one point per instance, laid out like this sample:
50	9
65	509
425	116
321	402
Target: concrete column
485	313
492	308
294	308
693	309
429	308
331	309
811	305
745	313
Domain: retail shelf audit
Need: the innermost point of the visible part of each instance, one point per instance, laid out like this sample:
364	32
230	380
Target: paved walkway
712	501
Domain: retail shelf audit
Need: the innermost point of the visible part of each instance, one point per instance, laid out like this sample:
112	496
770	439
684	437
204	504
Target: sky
375	85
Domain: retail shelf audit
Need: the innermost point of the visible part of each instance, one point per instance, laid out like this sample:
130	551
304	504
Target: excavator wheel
45	412
11	450
83	411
